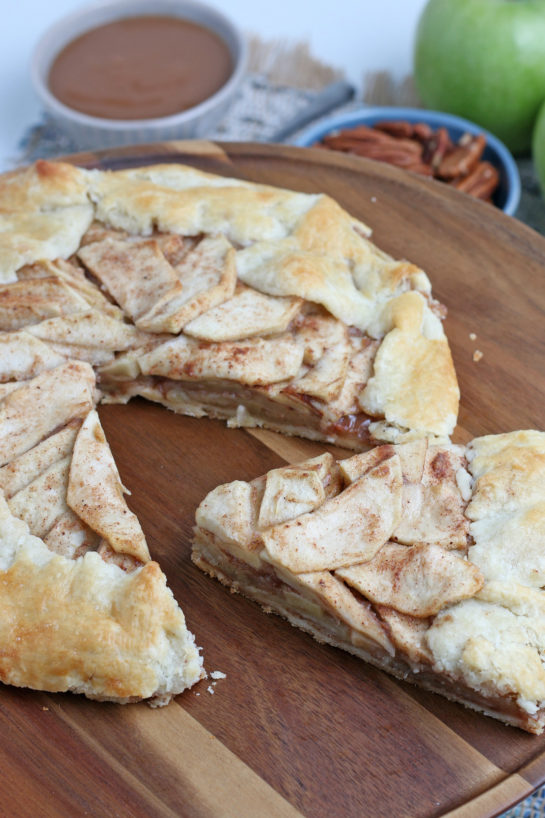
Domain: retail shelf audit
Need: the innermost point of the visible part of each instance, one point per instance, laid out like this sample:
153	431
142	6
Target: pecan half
396	127
464	158
422	131
436	147
481	183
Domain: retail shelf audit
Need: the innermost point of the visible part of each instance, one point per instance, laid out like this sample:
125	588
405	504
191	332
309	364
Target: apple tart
423	558
212	296
218	297
83	607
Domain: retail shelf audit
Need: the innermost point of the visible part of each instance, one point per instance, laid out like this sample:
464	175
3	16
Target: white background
355	35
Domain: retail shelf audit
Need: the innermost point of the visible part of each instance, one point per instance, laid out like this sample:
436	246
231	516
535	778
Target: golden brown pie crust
213	296
167	245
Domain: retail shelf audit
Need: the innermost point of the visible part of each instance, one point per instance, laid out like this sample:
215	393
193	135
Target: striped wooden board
297	728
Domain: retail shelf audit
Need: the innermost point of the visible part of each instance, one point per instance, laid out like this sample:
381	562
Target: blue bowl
507	195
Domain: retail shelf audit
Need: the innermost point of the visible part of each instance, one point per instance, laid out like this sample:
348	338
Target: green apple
538	147
484	60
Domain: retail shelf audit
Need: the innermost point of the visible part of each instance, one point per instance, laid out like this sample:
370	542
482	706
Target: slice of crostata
83	608
426	560
219	297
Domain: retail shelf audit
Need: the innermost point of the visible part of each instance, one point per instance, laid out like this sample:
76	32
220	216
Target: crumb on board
210	689
218	674
477	355
373	198
472	336
45	708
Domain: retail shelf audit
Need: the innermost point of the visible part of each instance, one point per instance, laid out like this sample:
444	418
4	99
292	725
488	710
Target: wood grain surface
297	727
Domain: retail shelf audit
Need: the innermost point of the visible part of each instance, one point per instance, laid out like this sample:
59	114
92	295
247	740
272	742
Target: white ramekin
96	132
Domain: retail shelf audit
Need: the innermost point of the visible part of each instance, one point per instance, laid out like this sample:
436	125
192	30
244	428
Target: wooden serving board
297	727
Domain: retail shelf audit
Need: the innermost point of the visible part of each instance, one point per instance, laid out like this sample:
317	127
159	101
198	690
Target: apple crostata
218	297
82	606
212	296
423	558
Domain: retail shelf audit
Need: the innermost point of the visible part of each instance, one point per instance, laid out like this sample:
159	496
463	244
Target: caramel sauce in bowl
133	71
